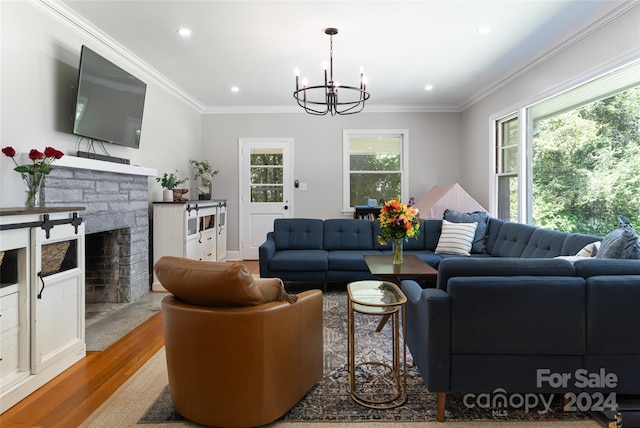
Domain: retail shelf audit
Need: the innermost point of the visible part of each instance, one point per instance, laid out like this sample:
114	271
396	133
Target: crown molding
288	109
613	11
78	24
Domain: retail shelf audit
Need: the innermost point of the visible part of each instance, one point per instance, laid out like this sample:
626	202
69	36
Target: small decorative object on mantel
204	172
398	223
169	183
33	174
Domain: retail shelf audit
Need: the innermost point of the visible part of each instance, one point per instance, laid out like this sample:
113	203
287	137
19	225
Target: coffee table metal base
379	298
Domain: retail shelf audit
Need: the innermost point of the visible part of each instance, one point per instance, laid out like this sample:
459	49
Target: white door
266	168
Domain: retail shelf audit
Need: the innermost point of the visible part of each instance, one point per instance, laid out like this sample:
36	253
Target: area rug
330	401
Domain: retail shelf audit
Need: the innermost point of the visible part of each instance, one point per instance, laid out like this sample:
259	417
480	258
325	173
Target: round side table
379	298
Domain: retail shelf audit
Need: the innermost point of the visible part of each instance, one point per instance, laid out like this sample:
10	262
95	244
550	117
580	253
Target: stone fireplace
116	217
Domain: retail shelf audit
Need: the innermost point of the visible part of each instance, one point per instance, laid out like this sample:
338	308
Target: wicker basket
52	257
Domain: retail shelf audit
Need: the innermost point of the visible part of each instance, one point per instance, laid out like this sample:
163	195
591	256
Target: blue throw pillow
622	243
479	245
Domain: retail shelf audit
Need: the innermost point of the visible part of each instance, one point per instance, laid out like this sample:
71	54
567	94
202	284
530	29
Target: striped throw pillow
456	238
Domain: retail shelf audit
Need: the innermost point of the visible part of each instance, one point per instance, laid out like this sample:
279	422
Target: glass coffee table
386	299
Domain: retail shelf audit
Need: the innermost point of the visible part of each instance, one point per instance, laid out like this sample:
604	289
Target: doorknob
286	207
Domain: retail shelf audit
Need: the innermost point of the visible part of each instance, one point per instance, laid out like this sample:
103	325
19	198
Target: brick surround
113	201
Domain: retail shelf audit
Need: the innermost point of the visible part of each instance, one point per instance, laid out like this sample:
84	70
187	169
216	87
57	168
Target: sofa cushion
621	243
348	234
298	233
431	230
505	266
594	267
518	315
612	314
511	240
208	283
349	260
456	238
299	261
589	250
544	243
479	245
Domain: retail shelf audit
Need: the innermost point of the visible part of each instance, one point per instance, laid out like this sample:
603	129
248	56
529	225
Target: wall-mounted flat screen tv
109	102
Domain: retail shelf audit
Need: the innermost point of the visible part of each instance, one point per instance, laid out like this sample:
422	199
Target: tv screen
109	102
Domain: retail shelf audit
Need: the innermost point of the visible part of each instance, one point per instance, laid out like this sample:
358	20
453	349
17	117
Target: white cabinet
192	229
42	301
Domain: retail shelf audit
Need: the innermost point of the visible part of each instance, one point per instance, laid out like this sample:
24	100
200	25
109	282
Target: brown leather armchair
236	355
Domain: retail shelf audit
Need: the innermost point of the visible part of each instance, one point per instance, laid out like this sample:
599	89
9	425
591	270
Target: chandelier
331	97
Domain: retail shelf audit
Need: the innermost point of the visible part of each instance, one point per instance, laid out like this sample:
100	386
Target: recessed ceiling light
485	29
234	89
428	87
184	32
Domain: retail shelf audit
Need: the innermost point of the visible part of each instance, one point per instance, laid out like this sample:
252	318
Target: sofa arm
265	252
429	333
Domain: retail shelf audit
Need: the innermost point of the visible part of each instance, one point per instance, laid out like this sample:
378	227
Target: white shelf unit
42	315
192	229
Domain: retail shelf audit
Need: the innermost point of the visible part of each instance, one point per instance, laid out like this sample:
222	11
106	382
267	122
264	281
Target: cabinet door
57	298
14	308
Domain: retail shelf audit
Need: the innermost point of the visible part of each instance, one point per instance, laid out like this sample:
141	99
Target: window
375	166
579	157
507	168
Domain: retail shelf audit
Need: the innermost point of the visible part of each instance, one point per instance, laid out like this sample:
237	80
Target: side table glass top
375	297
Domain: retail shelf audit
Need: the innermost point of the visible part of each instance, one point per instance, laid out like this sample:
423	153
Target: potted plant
170	182
204	173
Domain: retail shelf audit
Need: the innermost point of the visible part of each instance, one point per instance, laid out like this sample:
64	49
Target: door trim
242	144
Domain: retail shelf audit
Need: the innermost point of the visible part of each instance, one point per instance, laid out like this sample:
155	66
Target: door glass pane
508	198
266	194
266	175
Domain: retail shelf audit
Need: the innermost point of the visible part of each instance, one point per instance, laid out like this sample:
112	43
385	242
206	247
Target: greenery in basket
170	181
205	172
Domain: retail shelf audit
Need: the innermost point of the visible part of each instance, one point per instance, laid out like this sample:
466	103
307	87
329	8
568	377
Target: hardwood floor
69	399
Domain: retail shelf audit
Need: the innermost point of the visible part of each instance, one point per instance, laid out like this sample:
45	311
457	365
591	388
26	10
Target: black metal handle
42	289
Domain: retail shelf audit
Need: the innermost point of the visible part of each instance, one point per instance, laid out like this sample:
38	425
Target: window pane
262	158
510	159
266	175
508	198
373	153
365	186
586	164
510	133
266	194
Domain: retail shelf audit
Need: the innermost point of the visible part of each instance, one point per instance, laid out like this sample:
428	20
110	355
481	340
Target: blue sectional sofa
491	325
302	249
495	317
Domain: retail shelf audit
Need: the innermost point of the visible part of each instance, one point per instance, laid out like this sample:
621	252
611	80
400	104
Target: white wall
604	49
434	154
39	68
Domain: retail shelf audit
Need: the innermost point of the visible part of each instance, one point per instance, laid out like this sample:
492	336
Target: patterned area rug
330	401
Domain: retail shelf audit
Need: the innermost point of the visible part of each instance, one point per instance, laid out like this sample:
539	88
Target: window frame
525	115
346	154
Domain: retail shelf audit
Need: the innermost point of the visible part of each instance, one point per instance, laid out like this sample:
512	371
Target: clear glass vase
33	183
397	251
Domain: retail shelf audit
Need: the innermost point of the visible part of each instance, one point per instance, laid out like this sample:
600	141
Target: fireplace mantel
68	161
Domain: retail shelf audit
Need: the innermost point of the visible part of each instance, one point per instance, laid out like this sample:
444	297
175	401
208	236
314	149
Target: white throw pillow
456	238
589	250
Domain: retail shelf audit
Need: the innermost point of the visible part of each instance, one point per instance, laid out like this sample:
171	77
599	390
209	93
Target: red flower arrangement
33	174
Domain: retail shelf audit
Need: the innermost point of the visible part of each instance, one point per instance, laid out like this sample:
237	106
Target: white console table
41	312
190	229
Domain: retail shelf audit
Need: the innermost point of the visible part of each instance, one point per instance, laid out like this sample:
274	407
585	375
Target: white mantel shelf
95	165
